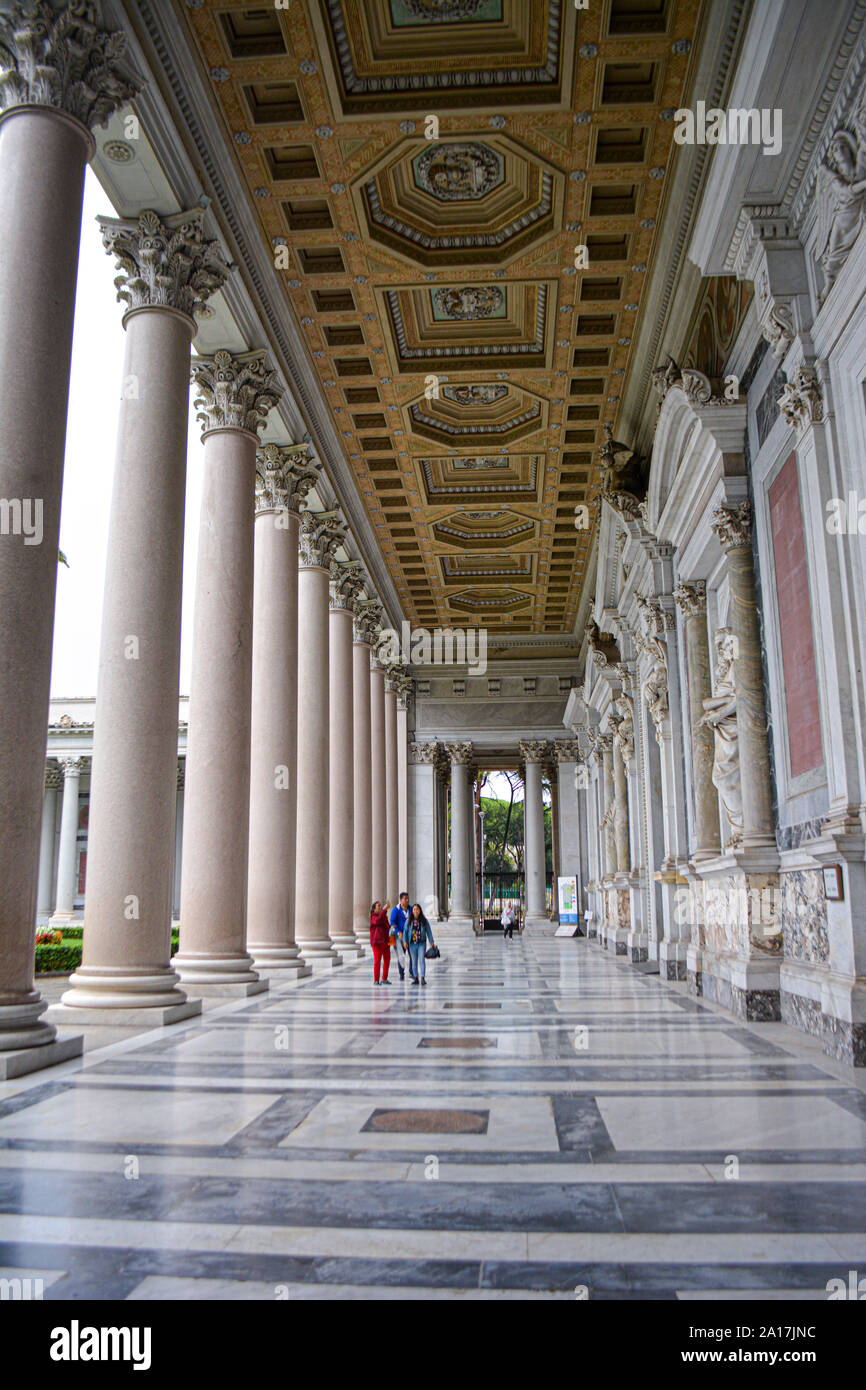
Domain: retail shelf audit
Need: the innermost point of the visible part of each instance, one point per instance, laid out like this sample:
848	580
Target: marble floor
542	1121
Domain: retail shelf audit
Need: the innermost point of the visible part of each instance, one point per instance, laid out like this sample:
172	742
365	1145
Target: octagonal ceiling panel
459	202
485	528
476	414
467	326
480	477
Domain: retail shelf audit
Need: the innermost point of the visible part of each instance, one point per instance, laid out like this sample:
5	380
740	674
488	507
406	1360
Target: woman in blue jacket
416	934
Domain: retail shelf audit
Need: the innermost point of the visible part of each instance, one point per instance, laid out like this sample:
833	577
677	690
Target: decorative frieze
283	477
62	58
235	392
322	533
164	262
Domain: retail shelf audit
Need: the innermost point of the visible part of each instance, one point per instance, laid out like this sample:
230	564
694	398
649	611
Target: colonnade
280	762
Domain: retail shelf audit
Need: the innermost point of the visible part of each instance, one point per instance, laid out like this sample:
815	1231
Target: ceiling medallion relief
457	171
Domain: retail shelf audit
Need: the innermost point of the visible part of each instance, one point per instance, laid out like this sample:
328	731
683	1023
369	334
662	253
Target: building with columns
534	441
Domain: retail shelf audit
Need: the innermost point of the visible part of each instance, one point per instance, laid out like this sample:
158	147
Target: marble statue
720	715
841	198
624	734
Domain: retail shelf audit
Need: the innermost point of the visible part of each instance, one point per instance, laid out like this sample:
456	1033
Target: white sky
94	399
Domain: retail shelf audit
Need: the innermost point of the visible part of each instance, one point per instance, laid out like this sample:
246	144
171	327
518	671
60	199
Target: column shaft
534	855
621	820
134	777
758	830
178	842
217	794
378	783
391	796
403	796
342	779
45	898
461	900
362	873
43	155
313	783
67	862
692	600
274	745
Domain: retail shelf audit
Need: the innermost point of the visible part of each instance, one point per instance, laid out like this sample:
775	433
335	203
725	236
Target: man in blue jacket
399	914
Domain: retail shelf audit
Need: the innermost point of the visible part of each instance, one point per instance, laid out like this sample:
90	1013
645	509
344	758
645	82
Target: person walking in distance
507	922
416	935
399	917
380	941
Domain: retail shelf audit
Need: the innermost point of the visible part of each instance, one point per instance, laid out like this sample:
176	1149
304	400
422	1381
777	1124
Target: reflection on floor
541	1121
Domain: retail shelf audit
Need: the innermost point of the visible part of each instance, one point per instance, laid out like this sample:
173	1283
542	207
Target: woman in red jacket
380	940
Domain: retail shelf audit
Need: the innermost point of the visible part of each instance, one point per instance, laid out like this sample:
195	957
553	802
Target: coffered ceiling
422	172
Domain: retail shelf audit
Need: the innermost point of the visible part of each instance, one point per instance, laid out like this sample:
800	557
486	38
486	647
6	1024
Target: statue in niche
625	471
720	715
841	198
624	733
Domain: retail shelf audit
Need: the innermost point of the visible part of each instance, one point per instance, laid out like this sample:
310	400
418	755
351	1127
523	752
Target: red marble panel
795	619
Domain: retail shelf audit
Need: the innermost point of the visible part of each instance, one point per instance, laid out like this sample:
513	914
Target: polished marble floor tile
541	1117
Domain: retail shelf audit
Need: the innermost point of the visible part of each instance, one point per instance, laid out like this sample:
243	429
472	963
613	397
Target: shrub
63	958
73	933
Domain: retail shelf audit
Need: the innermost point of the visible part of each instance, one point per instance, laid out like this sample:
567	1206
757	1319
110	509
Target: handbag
432	953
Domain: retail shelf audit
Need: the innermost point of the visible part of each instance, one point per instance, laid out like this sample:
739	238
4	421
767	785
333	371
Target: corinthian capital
321	535
164	262
63	58
692	598
283	477
347	581
367	620
566	750
459	752
534	750
733	525
801	402
53	778
235	392
425	752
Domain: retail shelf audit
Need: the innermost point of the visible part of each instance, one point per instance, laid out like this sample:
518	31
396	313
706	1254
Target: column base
200	970
637	947
63	919
347	947
101	987
536	921
287	958
21	1061
319	954
148	1016
22	1026
672	960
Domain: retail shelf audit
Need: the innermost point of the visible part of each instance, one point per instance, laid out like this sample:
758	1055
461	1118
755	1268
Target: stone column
346	584
443	777
167	271
550	771
283	479
67	859
364	635
236	394
392	813
53	784
403	696
733	526
461	889
620	819
533	752
62	76
178	840
321	535
608	840
692	599
379	783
